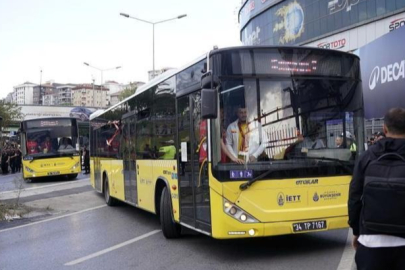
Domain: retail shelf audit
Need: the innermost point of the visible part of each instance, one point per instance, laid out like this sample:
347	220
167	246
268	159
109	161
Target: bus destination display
48	123
291	66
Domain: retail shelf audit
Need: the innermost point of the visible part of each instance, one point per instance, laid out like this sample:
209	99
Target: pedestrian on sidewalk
12	158
377	199
18	160
4	160
86	156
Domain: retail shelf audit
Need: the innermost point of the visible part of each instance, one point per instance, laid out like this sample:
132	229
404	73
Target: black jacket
383	146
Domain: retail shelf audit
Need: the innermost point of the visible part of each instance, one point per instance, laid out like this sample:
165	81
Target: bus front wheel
110	201
170	228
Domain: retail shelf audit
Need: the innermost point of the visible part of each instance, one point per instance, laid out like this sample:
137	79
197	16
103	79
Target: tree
127	92
9	112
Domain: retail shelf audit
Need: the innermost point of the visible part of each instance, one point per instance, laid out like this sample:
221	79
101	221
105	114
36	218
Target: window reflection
283	120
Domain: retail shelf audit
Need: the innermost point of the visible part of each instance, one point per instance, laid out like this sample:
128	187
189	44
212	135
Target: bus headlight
237	213
75	166
29	170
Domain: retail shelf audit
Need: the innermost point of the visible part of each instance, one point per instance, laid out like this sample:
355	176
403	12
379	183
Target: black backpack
383	199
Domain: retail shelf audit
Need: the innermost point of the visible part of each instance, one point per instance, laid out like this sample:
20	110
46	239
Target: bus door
193	178
129	153
96	159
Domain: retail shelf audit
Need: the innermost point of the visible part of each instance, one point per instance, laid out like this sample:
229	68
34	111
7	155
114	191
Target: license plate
53	173
309	226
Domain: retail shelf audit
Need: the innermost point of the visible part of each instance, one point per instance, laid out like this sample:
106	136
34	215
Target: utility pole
40	89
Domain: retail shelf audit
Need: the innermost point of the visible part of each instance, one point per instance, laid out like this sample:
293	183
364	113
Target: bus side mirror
206	80
209	103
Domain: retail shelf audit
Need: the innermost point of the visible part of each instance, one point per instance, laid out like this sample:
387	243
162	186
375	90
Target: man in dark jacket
376	250
86	156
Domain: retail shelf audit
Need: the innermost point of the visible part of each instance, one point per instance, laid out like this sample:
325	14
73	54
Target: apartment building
90	95
23	93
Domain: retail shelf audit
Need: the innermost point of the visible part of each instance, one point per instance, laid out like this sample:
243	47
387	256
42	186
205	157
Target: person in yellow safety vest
168	151
351	144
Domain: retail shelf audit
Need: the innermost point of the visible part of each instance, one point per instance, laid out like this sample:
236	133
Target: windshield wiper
247	184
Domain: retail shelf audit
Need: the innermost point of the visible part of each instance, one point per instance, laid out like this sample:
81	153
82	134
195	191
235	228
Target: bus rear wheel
170	228
110	201
72	176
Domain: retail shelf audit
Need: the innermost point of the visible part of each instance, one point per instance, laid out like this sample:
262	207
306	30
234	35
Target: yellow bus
50	147
242	142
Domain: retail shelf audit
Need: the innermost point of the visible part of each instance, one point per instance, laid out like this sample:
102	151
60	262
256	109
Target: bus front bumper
278	228
50	173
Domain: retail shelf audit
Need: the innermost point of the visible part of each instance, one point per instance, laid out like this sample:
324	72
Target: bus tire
72	176
170	228
110	201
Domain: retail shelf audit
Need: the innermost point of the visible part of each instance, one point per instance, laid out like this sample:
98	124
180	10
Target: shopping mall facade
344	25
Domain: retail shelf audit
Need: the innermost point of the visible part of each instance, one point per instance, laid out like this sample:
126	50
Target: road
79	232
10	182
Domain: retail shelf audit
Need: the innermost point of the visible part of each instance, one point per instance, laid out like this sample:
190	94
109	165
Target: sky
57	36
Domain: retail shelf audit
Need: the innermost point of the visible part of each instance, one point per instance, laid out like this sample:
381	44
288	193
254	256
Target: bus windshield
285	123
49	138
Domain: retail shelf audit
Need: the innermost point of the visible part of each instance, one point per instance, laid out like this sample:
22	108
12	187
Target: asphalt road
80	232
14	181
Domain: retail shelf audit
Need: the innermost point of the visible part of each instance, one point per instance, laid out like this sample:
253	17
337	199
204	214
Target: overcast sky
57	36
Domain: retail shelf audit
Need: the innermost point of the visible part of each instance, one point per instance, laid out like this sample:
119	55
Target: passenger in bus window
245	141
46	146
65	145
32	146
226	156
312	141
339	141
148	152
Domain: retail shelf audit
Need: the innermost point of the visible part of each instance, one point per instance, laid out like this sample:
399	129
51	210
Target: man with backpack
377	199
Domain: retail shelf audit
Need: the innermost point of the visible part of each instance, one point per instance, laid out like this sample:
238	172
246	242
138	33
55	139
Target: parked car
81	113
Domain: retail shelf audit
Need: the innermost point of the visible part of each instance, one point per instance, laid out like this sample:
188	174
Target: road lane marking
104	251
43	190
34	188
347	260
52	219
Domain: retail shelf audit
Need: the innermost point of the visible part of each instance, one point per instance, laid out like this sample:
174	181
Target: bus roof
150	84
49	118
173	72
221	50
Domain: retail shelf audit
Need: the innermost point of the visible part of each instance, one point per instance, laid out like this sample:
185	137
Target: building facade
90	95
342	25
65	94
23	93
114	86
115	97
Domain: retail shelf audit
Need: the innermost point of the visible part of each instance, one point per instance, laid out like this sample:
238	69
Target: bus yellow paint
50	147
51	167
146	185
299	179
117	179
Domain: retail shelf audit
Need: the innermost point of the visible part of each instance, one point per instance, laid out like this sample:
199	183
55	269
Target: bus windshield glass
287	114
49	138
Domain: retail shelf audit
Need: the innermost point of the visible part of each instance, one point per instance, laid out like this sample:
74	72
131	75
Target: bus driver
245	141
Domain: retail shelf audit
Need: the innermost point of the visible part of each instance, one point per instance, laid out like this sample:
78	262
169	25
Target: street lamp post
153	30
101	70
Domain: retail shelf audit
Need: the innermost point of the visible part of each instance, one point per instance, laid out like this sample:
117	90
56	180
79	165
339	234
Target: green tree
9	112
127	92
